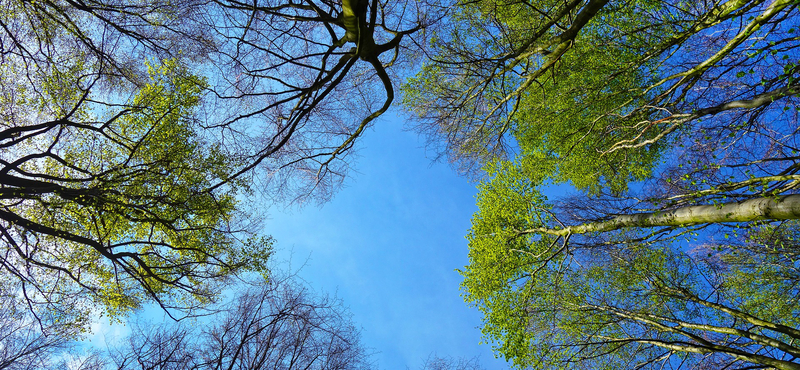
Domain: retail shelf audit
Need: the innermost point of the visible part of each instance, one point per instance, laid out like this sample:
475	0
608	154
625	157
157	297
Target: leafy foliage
619	301
656	112
127	212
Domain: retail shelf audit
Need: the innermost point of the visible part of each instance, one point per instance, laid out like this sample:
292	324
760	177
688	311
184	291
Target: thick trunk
766	208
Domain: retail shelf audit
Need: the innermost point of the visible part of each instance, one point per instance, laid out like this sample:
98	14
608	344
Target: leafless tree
29	341
278	324
434	362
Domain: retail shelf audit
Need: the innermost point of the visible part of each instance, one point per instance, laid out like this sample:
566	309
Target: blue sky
388	245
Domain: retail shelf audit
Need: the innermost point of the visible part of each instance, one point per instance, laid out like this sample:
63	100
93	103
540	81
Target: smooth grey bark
785	207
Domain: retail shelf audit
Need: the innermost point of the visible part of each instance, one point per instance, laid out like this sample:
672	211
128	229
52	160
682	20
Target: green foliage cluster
569	130
138	209
500	260
550	304
485	86
155	177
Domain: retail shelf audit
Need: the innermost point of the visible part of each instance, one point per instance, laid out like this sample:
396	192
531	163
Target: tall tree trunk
785	207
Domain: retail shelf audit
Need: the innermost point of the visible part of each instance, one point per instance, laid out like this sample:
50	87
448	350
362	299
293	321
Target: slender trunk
765	208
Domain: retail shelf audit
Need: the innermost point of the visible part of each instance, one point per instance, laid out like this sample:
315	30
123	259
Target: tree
133	132
642	296
121	212
28	341
434	362
605	87
274	324
676	122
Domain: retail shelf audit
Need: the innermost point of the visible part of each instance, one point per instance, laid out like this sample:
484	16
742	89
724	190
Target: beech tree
676	124
607	87
120	212
667	289
131	133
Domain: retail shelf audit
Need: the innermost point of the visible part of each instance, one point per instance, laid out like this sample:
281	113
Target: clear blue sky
388	245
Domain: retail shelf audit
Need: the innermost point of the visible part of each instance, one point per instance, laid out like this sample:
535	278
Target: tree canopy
604	87
133	134
676	123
